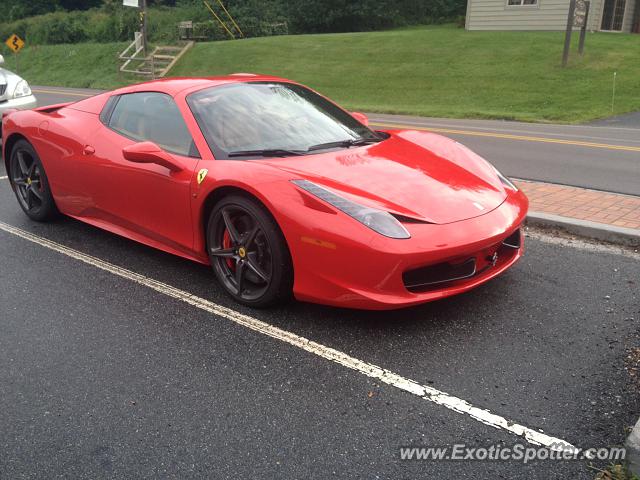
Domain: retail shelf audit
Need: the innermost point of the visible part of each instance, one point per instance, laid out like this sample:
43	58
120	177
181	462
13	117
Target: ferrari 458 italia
276	187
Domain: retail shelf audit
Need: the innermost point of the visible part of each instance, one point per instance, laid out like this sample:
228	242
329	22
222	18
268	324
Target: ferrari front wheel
248	252
30	183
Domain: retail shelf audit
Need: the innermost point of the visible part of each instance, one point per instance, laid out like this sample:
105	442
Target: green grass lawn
444	71
434	71
85	65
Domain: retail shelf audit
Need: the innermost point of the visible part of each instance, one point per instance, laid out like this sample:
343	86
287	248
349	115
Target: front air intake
435	276
514	240
439	273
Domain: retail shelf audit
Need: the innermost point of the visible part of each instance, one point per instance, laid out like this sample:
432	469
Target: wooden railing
155	65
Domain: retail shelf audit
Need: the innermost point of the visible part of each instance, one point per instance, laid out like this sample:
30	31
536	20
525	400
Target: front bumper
374	276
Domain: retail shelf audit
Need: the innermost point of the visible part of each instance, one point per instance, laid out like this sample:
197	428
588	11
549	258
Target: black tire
30	184
254	250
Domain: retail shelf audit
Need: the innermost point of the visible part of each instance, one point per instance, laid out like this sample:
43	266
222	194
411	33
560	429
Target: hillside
444	71
434	71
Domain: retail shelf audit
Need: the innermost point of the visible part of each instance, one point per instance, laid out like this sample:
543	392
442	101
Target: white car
15	92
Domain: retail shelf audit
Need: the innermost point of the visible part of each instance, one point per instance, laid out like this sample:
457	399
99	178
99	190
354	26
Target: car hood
414	174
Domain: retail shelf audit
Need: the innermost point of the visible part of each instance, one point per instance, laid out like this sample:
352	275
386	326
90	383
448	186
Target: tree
79	4
17	9
341	15
360	15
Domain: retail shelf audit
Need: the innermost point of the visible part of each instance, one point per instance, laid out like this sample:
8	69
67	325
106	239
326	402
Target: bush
118	26
57	27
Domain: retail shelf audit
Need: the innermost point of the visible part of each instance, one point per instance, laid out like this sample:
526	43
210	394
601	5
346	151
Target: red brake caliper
226	243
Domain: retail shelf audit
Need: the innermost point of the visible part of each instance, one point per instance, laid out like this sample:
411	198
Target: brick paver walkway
583	204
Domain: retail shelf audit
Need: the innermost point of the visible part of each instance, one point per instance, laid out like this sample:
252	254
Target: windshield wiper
274	152
352	142
283	152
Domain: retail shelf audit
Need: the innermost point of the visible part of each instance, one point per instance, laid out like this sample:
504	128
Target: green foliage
342	15
74	27
71	5
114	22
17	9
363	15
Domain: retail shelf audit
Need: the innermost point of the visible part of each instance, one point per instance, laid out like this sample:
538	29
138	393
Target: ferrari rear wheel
248	252
30	183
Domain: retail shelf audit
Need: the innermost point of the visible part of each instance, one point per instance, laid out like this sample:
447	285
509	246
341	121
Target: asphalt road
111	375
104	377
603	157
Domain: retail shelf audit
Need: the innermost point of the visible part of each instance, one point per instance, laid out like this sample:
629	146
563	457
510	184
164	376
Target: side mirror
1	60
149	152
361	117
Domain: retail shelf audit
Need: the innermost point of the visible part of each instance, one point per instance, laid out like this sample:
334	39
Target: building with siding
604	15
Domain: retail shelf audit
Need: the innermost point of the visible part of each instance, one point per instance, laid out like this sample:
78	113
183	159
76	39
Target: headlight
22	89
377	220
505	181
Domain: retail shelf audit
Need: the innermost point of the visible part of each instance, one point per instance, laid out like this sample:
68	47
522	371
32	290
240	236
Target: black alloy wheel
248	252
30	184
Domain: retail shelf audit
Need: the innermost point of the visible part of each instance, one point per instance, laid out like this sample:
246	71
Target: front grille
436	276
3	88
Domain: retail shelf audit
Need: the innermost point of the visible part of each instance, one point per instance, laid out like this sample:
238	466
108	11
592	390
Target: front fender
268	185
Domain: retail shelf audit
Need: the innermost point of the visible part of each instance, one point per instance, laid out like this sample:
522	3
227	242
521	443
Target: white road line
373	371
3	178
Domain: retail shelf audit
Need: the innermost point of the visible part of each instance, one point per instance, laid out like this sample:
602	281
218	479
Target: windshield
249	120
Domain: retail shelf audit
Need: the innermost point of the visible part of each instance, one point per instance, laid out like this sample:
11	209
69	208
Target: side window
154	117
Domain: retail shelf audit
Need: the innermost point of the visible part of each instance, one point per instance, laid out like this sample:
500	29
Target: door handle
88	150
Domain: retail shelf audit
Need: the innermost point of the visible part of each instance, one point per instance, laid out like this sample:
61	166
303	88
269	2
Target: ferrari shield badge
202	175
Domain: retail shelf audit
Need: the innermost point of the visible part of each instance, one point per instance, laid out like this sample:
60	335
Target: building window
613	15
522	3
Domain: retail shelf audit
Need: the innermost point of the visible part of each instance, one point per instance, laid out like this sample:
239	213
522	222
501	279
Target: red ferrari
276	187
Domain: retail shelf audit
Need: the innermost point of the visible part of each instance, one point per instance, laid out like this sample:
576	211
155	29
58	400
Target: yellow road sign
15	43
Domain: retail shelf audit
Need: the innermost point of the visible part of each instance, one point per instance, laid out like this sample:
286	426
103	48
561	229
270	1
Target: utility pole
567	36
143	25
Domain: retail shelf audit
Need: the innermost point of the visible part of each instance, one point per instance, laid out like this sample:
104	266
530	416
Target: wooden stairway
155	65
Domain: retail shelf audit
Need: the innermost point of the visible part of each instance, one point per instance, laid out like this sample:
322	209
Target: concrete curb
584	228
633	450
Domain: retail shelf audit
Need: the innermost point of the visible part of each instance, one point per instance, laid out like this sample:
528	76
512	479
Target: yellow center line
513	137
63	92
